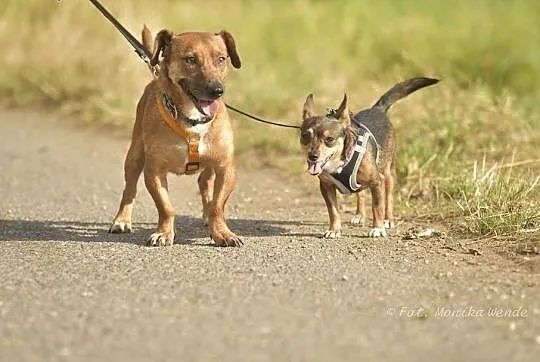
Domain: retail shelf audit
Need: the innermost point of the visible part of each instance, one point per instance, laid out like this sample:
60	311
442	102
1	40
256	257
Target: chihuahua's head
196	62
325	139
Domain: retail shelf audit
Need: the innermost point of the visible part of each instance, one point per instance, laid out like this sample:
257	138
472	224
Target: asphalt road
71	292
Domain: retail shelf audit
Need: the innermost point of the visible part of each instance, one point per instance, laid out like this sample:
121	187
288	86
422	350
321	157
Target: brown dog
182	127
350	153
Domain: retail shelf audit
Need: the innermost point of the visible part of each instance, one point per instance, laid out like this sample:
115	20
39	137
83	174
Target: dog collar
169	114
169	103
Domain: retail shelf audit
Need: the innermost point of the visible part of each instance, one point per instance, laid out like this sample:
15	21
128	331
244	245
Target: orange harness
192	139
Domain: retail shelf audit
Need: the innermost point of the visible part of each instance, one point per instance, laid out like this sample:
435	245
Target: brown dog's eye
305	138
221	60
191	60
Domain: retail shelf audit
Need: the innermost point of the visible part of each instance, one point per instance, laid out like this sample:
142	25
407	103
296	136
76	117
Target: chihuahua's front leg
156	183
328	191
223	186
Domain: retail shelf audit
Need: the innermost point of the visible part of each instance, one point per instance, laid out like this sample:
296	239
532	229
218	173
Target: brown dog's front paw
120	227
205	219
332	234
226	239
389	224
377	232
161	239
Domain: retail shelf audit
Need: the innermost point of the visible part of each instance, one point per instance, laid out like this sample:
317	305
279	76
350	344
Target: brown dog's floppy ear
147	39
231	48
309	108
163	40
343	111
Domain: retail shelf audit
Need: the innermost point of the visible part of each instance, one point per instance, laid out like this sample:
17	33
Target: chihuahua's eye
306	136
329	140
191	60
221	60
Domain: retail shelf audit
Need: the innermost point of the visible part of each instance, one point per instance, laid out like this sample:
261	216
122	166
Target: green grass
66	57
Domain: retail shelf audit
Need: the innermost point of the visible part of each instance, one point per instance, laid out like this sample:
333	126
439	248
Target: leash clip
331	112
154	69
171	107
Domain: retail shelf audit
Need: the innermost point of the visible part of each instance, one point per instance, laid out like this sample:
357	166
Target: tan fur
156	150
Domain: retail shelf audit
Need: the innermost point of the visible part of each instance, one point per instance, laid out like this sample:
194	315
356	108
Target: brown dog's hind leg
206	188
133	167
225	179
328	192
156	183
378	200
359	217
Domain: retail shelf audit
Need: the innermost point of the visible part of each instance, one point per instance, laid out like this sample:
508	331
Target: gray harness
345	177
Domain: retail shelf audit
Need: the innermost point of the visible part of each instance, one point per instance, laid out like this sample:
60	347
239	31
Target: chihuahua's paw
357	220
226	239
331	234
389	224
120	227
161	239
377	232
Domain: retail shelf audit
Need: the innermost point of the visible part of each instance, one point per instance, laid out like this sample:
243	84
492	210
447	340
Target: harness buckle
192	167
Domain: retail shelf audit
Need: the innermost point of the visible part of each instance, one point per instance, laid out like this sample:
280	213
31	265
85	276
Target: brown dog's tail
148	39
402	90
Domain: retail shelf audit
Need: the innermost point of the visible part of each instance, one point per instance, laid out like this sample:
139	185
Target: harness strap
377	146
192	139
345	176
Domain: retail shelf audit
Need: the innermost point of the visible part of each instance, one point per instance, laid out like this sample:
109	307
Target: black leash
143	53
259	119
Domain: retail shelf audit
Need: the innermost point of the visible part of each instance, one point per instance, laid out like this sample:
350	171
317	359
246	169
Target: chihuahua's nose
313	155
216	89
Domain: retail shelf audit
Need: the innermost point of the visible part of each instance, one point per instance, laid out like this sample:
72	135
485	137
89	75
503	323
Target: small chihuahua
351	153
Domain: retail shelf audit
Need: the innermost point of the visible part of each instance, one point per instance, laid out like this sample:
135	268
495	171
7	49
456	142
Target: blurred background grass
64	56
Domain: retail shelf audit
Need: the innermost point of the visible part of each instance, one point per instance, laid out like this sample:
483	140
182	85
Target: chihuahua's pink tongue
208	107
314	168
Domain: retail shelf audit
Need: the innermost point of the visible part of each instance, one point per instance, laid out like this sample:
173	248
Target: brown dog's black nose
313	155
215	89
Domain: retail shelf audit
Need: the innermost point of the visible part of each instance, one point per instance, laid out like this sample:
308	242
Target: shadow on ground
189	230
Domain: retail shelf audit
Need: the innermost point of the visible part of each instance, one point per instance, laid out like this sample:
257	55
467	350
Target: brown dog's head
197	63
325	139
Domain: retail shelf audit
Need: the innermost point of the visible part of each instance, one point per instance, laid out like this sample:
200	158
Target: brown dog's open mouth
204	106
208	108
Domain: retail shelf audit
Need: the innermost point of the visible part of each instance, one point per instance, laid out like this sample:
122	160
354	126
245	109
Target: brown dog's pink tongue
209	107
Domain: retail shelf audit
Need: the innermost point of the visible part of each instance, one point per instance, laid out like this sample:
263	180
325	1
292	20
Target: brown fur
189	63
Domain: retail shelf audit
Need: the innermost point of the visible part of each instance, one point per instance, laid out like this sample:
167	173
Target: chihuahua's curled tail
402	90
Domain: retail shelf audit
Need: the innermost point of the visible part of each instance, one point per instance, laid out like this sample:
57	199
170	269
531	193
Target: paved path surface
71	292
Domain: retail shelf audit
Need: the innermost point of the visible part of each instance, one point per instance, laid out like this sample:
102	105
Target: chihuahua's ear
343	111
161	45
231	48
309	108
